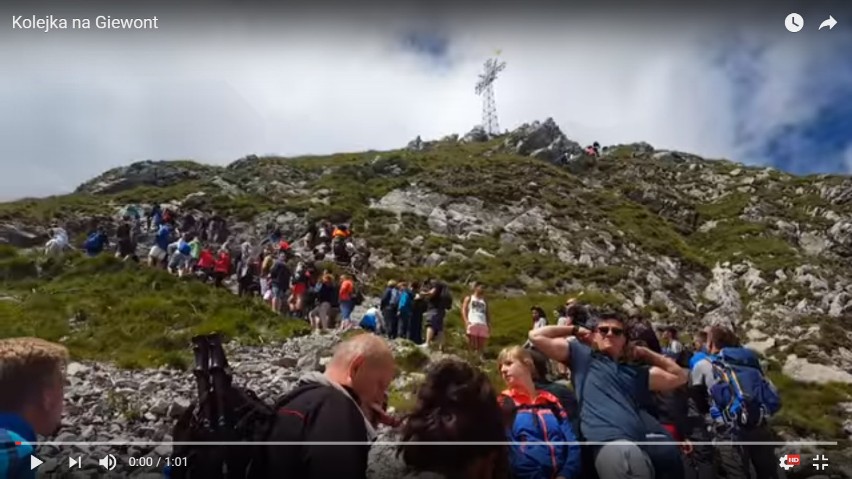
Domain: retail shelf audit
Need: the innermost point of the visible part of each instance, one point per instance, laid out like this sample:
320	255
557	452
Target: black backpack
222	413
446	297
280	273
358	296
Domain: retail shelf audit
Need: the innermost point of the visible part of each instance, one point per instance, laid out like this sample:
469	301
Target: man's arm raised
551	341
665	374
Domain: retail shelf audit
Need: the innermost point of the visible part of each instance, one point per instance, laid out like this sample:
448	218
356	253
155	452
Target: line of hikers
202	248
628	402
405	308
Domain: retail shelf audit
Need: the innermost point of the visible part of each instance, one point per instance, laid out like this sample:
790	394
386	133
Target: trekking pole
202	379
221	381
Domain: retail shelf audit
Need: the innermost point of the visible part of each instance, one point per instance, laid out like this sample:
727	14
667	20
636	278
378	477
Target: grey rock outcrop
541	140
144	173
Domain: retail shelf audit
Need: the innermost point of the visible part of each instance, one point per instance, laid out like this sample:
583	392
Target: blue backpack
93	242
744	397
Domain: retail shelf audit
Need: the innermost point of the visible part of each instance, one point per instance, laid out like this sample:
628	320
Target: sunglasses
605	330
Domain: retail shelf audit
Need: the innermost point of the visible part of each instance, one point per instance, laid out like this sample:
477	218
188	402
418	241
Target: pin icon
830	23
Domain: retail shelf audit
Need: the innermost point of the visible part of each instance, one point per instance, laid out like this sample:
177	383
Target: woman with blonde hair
477	321
537	425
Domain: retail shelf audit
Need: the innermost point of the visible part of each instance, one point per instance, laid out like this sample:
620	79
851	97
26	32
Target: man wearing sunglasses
608	380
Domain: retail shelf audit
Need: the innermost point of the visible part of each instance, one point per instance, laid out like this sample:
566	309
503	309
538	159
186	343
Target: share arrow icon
830	23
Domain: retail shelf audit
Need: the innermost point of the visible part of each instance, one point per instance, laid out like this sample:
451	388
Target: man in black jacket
333	407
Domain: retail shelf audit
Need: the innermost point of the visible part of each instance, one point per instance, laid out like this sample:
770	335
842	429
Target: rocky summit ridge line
680	238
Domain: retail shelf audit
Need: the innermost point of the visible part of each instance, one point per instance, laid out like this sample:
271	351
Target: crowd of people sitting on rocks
631	408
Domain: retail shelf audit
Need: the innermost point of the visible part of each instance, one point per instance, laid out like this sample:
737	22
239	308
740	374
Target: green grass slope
102	308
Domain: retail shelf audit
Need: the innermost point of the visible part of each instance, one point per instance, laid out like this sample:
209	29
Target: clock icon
794	22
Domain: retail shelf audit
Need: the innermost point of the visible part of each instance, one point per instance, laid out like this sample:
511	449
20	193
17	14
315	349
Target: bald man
335	406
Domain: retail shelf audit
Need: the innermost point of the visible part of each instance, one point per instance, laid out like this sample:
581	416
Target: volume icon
108	462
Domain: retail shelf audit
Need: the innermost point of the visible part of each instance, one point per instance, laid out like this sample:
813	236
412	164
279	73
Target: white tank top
476	311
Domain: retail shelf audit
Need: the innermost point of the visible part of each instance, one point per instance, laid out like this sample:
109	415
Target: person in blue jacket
96	242
32	382
544	444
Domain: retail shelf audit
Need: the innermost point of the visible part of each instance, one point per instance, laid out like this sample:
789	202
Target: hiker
535	416
539	318
389	305
341	231
203	227
247	283
325	232
279	282
96	242
404	310
154	216
699	348
373	321
322	317
664	413
266	262
299	289
455	403
710	380
702	462
132	213
418	309
194	253
284	247
32	378
58	242
245	251
222	269
158	253
206	263
578	313
311	235
674	348
562	316
475	318
341	253
346	296
607	387
217	229
188	223
169	218
126	246
438	301
566	396
355	380
593	150
180	252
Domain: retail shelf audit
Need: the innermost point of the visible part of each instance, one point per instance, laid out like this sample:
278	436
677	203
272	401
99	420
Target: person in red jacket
222	268
206	262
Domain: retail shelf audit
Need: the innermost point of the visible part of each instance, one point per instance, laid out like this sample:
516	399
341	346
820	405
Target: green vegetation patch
736	240
102	308
810	411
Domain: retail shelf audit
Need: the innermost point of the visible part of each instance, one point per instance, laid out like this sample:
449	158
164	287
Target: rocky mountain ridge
666	232
679	238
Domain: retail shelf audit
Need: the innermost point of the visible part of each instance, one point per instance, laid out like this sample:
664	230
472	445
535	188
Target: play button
35	462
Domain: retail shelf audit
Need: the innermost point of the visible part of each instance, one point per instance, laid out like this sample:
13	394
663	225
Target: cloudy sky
215	84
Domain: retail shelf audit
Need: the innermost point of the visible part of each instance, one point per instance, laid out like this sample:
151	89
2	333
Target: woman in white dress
477	321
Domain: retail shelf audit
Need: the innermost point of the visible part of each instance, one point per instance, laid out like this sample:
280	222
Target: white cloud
77	107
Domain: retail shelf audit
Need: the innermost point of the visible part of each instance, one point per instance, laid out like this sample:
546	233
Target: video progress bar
426	443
